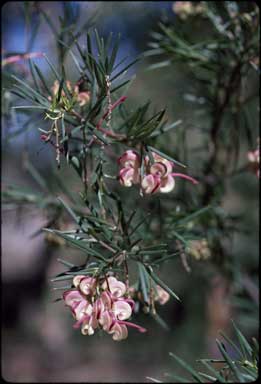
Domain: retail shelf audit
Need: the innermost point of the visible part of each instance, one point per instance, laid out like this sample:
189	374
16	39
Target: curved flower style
158	177
96	304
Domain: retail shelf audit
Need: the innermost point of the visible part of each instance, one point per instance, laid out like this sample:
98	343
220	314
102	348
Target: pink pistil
139	328
194	181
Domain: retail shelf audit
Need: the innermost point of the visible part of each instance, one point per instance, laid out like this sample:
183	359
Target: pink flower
72	297
89	325
167	184
162	296
129	159
82	309
158	176
105	320
87	285
150	184
159	162
105	307
116	287
77	279
129	174
106	299
121	309
83	98
77	303
119	331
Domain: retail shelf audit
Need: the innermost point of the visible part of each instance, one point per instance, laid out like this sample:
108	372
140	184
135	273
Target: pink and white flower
119	331
116	287
162	296
103	304
130	173
121	309
150	184
158	176
129	176
87	285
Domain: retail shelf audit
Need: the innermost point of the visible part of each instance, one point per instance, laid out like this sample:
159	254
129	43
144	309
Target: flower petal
167	184
87	285
72	296
159	169
77	279
116	287
162	296
119	331
106	320
126	176
121	309
150	184
129	158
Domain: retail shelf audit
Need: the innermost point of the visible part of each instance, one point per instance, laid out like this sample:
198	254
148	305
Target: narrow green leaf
188	368
194	215
165	129
166	156
42	78
50	23
30	107
32	69
124	69
215	372
160	321
113	55
144	282
69	210
56	74
245	346
78	243
66	263
230	362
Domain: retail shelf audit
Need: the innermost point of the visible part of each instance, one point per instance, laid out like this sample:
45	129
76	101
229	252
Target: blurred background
38	342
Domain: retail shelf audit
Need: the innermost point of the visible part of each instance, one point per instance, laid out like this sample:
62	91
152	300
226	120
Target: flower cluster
82	97
187	8
199	249
253	158
157	177
102	304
